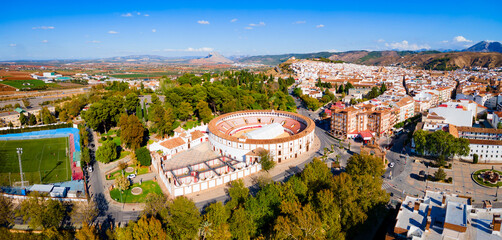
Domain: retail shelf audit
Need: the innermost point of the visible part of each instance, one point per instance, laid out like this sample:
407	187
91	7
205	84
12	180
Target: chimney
428	225
417	206
496	222
444	199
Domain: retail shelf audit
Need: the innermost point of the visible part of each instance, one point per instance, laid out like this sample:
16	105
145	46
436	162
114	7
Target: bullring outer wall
280	149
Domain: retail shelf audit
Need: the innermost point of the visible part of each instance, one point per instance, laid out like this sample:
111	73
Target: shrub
143	156
475	158
103	138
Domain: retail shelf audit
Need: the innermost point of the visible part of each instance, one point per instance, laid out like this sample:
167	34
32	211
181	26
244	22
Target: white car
391	164
89	169
131	176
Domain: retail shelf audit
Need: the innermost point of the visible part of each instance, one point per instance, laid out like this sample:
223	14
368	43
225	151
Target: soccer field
44	161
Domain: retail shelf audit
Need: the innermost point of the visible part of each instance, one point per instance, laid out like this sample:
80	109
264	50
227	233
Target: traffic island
488	177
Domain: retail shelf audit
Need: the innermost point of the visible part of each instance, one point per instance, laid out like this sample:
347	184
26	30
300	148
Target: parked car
89	169
391	164
131	176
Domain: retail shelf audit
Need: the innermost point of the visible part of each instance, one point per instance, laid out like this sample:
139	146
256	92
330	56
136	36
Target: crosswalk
387	186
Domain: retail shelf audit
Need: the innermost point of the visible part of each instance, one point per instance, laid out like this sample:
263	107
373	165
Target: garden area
488	177
136	193
130	169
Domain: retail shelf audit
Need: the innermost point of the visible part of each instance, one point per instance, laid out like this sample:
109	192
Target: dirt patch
129	169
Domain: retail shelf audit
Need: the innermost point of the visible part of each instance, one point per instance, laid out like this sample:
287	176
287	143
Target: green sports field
43	160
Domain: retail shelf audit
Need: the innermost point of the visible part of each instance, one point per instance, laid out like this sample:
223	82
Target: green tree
85	156
122	183
183	218
204	112
238	194
6	212
184	110
240	224
154	203
475	158
143	156
139	112
87	232
297	222
39	212
216	218
22	119
131	101
419	138
131	131
266	161
145	112
162	120
107	152
440	174
365	165
32	120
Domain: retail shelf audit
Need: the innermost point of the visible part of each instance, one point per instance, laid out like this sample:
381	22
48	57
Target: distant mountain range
485	46
482	54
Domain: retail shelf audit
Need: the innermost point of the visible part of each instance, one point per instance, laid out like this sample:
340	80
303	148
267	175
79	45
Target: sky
41	30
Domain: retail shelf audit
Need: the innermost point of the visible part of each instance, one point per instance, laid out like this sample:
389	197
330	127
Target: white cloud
445	41
146	15
234	20
154	30
380	40
260	24
248	28
202	49
138	13
12	45
93	41
112	32
203	22
126	15
405	45
300	22
461	39
45	41
44	27
320	26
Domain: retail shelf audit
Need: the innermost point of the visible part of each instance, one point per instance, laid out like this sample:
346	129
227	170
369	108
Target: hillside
424	60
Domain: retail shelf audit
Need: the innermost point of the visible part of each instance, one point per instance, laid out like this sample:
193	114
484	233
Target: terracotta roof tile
172	143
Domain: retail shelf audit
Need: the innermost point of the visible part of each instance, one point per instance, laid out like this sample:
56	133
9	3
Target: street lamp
19	152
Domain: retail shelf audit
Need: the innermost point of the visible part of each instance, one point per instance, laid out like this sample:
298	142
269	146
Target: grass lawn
191	124
114	139
113	175
482	182
123	154
127	197
43	160
33	83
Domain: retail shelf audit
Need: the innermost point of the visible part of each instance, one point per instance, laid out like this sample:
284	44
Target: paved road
325	142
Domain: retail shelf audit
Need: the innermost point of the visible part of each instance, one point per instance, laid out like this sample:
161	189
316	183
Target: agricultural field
25	84
43	161
143	75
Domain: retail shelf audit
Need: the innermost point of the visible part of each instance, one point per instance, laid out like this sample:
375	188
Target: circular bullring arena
239	135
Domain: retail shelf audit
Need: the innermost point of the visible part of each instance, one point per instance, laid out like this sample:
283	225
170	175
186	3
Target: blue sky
94	29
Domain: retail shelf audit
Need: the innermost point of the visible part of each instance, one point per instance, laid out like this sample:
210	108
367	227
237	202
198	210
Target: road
325	142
